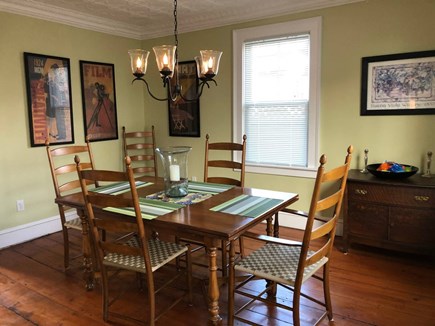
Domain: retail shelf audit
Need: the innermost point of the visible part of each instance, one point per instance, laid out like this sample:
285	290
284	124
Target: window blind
275	101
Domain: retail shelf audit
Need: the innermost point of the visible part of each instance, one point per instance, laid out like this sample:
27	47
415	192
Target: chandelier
207	66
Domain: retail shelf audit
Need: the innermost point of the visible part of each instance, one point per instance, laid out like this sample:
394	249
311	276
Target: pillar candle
174	172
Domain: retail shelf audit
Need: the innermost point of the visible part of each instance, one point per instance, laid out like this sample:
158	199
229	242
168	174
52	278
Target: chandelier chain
176	42
176	29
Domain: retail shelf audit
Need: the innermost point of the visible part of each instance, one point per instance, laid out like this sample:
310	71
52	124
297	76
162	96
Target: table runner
198	191
245	205
150	208
189	199
119	187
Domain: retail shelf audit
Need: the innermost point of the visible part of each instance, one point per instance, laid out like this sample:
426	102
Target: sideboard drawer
390	195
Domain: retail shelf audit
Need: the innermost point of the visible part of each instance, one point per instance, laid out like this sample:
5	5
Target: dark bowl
391	175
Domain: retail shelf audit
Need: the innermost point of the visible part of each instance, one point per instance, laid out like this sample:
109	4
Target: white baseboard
298	222
30	231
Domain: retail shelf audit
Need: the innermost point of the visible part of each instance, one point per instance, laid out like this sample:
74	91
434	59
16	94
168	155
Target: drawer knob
360	192
421	198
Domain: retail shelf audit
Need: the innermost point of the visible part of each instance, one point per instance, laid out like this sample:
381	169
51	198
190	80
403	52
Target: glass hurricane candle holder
174	160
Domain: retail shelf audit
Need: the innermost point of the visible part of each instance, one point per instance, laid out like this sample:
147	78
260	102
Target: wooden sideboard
391	214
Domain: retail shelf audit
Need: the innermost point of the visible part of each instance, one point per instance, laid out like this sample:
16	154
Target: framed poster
184	113
398	84
99	100
48	84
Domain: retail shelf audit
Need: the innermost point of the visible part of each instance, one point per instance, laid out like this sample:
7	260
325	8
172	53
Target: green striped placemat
249	206
119	187
210	188
150	208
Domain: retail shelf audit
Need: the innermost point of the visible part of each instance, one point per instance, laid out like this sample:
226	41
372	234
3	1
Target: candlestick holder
174	160
428	162
366	159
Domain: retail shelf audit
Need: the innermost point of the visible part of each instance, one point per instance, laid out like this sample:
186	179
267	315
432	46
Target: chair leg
65	247
296	305
326	292
65	237
151	299
105	290
224	258
189	275
241	247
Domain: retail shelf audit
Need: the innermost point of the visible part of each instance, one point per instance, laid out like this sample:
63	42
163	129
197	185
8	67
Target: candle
174	172
139	65
210	67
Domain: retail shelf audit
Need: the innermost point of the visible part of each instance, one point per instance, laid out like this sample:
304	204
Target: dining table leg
86	248
231	285
213	286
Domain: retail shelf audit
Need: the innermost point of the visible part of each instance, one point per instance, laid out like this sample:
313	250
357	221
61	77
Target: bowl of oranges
392	170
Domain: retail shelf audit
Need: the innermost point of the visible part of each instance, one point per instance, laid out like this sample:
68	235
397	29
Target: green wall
350	32
24	172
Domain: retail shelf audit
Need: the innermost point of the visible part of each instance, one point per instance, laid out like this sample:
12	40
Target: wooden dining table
222	216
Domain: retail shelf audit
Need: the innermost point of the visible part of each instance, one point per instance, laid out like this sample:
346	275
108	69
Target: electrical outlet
20	205
193	178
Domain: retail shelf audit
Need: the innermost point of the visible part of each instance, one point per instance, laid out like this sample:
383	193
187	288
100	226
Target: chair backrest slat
225	163
63	169
140	146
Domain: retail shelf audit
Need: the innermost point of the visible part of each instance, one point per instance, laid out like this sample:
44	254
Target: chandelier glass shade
207	65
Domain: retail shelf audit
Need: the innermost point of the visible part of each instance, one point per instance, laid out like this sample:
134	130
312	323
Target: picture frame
398	84
99	100
48	87
184	120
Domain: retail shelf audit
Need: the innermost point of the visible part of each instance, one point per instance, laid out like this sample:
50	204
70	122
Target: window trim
313	27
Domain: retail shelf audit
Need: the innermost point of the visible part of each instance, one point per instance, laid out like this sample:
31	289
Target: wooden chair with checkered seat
221	166
143	254
289	264
65	181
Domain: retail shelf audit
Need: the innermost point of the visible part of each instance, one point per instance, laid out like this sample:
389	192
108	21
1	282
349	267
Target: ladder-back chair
218	164
289	264
65	181
142	254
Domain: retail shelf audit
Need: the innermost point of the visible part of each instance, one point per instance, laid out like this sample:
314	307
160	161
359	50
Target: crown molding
71	18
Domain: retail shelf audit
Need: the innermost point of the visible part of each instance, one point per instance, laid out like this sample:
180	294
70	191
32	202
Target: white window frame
240	36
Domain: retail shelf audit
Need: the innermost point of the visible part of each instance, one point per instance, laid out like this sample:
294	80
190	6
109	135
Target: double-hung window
276	96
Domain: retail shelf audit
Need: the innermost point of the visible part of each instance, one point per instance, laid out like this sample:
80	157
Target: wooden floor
369	287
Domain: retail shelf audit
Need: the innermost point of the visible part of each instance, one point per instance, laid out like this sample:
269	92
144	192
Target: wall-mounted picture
99	100
398	84
48	85
184	115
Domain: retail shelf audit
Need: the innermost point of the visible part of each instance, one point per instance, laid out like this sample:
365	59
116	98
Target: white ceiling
145	19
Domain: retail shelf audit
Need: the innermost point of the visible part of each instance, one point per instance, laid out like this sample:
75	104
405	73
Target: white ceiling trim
228	16
72	18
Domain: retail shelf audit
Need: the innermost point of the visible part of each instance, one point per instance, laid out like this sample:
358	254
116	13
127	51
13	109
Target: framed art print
184	113
99	100
48	85
398	84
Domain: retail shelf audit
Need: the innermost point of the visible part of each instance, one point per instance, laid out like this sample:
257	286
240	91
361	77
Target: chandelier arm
198	93
148	89
173	95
